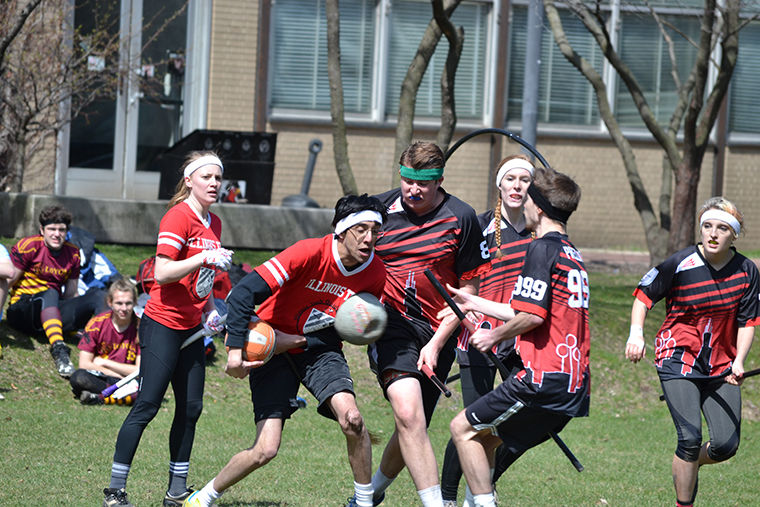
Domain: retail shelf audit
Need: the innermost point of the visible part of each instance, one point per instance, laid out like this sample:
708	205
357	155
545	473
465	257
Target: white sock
484	500
380	482
431	497
363	494
468	499
208	494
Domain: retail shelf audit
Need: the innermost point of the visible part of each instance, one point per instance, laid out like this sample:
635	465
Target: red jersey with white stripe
497	283
554	285
705	309
309	283
447	240
182	234
42	267
103	340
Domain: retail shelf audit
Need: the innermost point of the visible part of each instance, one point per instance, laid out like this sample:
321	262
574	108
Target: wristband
636	335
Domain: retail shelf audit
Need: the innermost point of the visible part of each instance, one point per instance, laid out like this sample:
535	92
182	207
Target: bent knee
352	422
721	451
193	409
459	427
688	449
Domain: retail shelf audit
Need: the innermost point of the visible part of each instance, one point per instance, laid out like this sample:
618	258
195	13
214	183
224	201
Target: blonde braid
497	220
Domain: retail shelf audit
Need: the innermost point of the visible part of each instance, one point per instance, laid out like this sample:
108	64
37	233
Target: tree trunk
455	36
340	142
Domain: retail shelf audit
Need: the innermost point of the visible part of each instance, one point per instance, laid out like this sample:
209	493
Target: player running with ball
299	291
550	301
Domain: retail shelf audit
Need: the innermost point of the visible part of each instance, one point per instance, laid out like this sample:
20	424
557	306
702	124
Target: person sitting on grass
44	286
6	271
108	349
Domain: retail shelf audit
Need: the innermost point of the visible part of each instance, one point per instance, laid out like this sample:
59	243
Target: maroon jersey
104	340
309	283
497	283
42	267
705	308
554	285
182	234
446	240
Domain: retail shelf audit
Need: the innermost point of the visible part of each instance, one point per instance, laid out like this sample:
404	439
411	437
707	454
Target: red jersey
42	267
447	240
554	285
104	340
705	308
309	283
497	283
182	234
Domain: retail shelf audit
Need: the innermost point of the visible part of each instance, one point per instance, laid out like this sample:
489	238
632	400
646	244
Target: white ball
361	319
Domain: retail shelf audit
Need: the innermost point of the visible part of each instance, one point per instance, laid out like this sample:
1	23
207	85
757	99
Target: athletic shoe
88	398
177	501
193	500
376	500
449	503
115	497
60	353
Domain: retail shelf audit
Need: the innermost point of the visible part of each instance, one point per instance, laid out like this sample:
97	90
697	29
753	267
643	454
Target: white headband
723	216
200	162
357	218
515	163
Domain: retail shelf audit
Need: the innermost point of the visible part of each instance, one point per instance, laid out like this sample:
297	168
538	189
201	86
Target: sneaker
376	500
449	503
88	398
60	353
193	500
115	497
176	501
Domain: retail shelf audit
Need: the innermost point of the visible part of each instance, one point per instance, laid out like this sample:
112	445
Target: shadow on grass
9	337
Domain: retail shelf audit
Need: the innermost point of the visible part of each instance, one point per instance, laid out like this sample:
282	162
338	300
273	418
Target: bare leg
405	396
358	444
475	451
264	449
392	463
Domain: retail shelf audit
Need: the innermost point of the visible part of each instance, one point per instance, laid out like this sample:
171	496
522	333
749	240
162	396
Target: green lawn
59	452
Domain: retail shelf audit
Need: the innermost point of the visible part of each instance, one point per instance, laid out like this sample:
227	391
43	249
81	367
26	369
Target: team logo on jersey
690	262
205	282
317	320
649	277
396	207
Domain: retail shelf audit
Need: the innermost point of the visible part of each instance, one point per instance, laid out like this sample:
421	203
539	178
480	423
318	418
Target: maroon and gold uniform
102	339
42	268
182	234
705	308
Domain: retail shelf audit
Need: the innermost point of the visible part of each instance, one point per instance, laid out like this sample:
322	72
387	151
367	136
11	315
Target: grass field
56	451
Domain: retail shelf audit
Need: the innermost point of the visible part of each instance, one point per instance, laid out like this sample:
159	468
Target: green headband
421	174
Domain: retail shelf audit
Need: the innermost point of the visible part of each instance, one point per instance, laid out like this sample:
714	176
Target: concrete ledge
136	222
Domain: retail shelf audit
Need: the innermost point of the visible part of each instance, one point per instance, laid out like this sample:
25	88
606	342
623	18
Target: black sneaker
60	353
115	497
88	398
177	501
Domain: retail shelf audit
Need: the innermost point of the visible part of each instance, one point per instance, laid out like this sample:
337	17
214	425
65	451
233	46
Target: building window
743	105
371	41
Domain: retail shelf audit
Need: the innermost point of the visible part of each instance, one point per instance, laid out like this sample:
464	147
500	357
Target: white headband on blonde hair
515	163
200	162
356	218
723	216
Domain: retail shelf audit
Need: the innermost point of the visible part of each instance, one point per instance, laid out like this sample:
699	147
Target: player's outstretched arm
472	303
635	347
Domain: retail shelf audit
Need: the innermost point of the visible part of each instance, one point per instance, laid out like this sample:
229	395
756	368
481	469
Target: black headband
542	202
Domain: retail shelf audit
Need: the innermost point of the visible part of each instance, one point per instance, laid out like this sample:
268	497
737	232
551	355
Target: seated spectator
108	349
44	286
6	271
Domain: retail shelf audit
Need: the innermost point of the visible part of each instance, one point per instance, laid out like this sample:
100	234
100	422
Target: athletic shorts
399	350
274	386
520	427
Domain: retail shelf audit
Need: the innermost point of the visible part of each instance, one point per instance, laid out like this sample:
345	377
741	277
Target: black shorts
399	350
520	427
274	386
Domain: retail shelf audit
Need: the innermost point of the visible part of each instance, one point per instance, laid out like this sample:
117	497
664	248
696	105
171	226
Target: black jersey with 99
554	285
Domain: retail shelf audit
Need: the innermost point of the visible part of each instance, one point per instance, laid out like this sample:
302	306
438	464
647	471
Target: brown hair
559	189
497	209
422	155
722	204
55	214
121	285
181	190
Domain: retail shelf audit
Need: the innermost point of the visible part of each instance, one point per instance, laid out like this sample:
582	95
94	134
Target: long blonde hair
181	190
497	209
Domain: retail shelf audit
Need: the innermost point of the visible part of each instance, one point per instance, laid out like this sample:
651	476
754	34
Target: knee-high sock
51	323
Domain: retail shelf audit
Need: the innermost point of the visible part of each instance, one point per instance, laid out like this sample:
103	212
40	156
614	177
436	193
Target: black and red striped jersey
705	308
498	282
553	284
447	240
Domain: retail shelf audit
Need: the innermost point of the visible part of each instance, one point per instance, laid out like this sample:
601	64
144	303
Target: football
260	342
361	319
